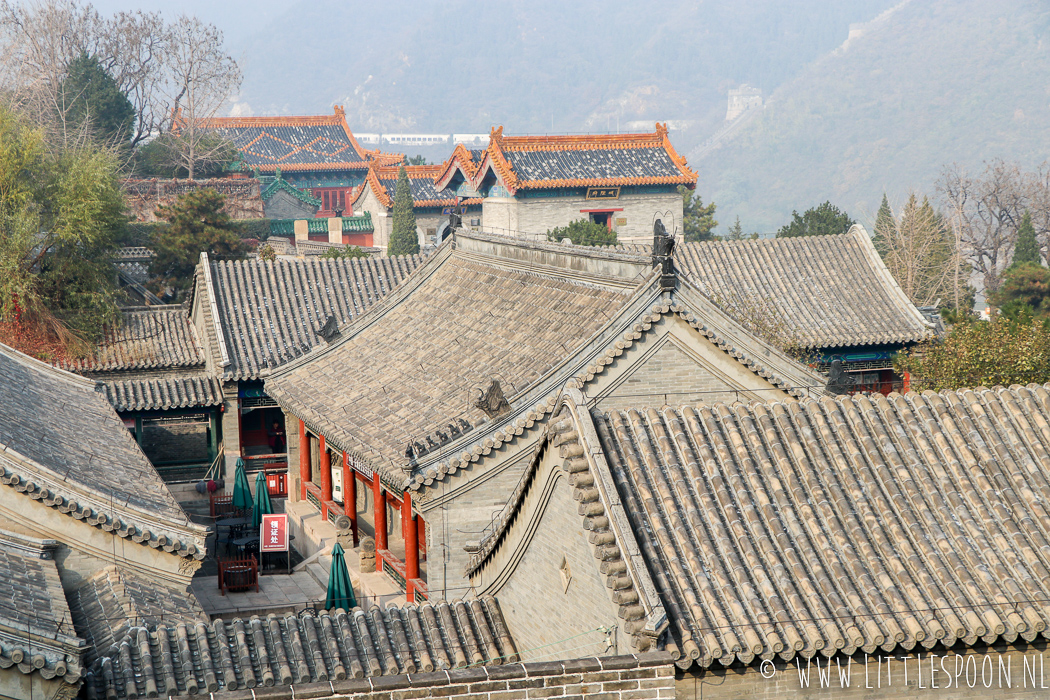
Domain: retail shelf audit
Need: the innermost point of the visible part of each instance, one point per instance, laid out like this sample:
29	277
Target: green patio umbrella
242	494
340	590
262	500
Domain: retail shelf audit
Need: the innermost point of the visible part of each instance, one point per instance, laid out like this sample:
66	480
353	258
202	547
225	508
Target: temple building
152	369
415	420
430	205
831	297
763	545
531	184
316	154
78	501
253	316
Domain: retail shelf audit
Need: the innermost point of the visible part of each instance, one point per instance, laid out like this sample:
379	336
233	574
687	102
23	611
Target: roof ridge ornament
663	256
491	399
330	330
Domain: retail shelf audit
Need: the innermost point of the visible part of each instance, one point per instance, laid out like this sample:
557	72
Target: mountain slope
930	84
535	66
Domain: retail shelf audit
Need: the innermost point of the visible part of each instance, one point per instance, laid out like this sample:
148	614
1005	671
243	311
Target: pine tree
403	237
735	232
1027	248
885	227
90	94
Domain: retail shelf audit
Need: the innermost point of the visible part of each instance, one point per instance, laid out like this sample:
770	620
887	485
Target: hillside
933	83
536	66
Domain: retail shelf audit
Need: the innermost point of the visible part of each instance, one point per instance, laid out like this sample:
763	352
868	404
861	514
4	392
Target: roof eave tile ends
375	644
832	291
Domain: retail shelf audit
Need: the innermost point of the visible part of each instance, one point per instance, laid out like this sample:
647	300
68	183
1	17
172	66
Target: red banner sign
273	534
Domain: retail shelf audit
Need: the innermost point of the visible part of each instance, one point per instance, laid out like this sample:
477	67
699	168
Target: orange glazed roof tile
383	182
299	143
595	160
463	160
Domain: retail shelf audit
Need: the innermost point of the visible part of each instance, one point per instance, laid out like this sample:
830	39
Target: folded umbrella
340	589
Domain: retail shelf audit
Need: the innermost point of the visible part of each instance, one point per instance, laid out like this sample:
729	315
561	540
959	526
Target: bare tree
987	210
919	251
162	68
203	78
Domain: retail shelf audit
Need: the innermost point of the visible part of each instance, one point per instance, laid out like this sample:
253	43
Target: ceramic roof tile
834	291
148	339
313	647
113	601
164	392
270	312
462	323
421	178
294	144
540	162
837	525
36	628
62	443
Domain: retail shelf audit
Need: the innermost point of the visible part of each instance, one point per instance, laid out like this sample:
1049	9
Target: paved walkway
278	593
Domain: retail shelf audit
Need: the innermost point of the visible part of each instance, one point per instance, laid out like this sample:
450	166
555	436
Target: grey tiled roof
457	324
833	290
163	392
63	444
423	192
840	525
270	312
33	608
297	650
113	601
592	164
147	339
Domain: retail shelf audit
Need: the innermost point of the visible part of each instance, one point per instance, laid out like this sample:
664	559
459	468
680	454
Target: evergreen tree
885	227
735	232
196	223
697	220
823	220
90	95
584	232
1027	248
403	238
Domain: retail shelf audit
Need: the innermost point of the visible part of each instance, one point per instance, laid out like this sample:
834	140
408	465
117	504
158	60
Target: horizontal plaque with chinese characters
603	193
273	533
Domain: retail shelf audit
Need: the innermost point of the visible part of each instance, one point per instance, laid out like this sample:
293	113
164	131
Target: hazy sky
237	19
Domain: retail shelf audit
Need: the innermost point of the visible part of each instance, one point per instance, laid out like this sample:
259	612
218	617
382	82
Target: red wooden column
380	518
408	520
326	476
304	460
350	496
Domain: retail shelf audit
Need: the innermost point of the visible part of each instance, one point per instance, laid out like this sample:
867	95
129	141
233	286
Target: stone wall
547	556
534	217
641	677
968	675
464	511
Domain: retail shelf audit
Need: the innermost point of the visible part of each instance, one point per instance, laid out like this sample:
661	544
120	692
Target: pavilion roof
313	647
382	180
36	629
598	160
831	291
528	315
270	312
115	600
294	144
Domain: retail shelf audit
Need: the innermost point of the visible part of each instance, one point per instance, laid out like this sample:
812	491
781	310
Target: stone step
319	570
